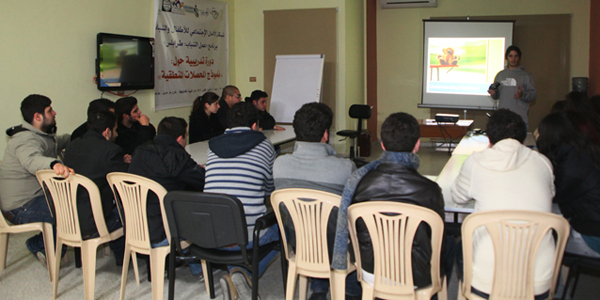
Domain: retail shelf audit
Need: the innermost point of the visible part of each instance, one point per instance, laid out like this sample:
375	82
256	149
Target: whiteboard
298	80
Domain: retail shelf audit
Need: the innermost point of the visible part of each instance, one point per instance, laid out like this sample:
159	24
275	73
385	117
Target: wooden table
199	150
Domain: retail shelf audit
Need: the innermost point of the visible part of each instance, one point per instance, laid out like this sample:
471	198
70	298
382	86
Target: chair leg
88	266
577	272
126	257
3	249
56	268
337	282
255	276
367	290
460	295
443	294
302	287
208	279
136	270
48	235
149	268
172	272
290	289
157	267
284	265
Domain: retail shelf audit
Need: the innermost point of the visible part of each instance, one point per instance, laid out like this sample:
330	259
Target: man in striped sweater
240	163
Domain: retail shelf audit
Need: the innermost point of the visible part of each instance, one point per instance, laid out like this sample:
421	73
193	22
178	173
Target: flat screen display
460	61
124	62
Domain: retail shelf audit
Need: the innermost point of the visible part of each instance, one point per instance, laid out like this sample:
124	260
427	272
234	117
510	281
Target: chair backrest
131	194
360	112
63	197
309	211
516	237
392	227
206	220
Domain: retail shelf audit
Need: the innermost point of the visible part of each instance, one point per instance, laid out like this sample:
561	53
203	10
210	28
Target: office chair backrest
360	112
206	220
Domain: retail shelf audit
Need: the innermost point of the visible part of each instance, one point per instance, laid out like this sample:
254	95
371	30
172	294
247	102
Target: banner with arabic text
191	52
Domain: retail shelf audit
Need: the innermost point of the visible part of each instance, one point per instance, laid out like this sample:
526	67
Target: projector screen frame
470	102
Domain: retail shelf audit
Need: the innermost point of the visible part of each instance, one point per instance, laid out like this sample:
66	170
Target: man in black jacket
94	155
165	161
393	177
134	128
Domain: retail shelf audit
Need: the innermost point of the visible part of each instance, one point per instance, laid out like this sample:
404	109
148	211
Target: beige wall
248	61
49	48
400	44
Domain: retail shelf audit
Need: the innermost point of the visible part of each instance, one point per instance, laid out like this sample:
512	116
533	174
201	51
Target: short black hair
242	114
400	132
228	91
100	120
32	104
311	121
100	104
512	48
505	124
173	127
256	95
124	106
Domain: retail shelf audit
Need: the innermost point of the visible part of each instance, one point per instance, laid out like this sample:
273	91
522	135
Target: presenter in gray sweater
513	86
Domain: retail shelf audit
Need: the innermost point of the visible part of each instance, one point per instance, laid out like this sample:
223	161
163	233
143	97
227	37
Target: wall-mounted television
124	62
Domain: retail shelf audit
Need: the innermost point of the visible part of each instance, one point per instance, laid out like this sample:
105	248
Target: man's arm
461	188
30	154
193	176
528	91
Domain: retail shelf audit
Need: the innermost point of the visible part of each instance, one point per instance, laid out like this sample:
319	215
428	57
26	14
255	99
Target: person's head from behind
505	124
400	132
558	106
231	94
37	111
127	110
207	104
258	99
104	123
559	129
100	104
312	122
579	102
243	114
174	127
513	56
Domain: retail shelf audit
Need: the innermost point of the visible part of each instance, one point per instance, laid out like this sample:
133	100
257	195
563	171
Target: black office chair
211	221
576	263
360	112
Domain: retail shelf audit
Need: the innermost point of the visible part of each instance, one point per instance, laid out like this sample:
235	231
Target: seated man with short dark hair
95	106
165	161
393	177
314	165
134	128
94	155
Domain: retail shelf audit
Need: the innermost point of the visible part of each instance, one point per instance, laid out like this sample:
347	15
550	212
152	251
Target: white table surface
199	150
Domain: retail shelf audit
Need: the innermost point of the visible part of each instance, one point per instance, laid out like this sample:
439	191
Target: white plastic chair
64	197
392	227
309	211
132	191
516	237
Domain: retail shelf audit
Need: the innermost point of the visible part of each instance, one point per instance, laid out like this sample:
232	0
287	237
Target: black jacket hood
235	142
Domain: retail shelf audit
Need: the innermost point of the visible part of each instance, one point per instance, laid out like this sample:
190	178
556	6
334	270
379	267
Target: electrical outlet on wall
252	79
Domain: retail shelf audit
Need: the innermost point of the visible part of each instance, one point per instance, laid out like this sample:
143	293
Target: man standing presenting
230	96
514	86
32	146
133	128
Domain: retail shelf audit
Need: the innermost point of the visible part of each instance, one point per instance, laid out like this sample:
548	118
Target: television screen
460	61
124	62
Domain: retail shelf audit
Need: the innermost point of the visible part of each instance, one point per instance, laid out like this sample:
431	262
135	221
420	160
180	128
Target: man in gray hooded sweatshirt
514	86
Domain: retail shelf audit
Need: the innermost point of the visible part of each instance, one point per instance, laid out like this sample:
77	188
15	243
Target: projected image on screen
463	65
460	60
